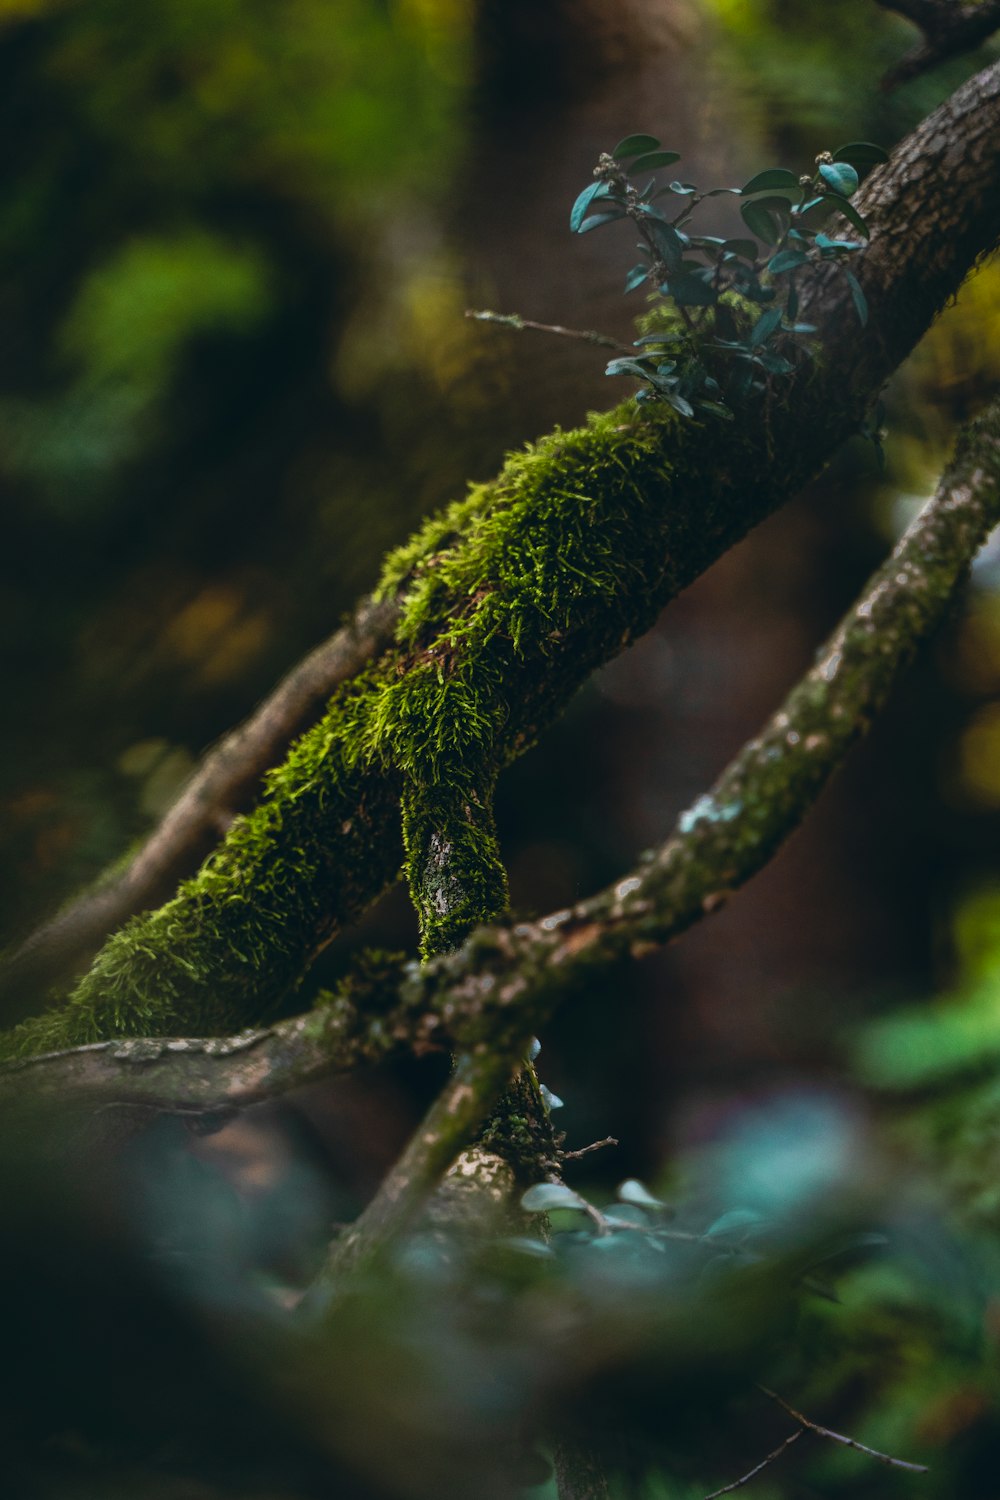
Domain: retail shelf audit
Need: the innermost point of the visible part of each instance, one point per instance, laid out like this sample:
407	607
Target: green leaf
694	289
839	176
774	363
786	260
767	218
860	300
594	221
735	1224
680	405
636	277
839	247
683	189
523	1244
635	1192
850	213
634	145
548	1195
861	155
764	327
746	249
579	210
771	180
668	242
627	366
654	160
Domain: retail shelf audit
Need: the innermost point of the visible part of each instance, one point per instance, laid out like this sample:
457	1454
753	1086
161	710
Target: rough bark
503	983
511	600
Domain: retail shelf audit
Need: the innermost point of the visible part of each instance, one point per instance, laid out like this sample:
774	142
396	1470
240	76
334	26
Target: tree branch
503	983
451	1123
949	30
765	1463
842	1438
512	598
224	784
518	324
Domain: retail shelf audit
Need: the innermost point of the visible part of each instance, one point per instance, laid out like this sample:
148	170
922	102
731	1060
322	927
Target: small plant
728	318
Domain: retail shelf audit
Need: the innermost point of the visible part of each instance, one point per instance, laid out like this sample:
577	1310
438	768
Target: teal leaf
627	366
849	212
683	189
523	1244
861	155
635	1192
767	218
774	363
786	260
668	242
594	221
654	160
548	1195
680	405
858	296
839	247
735	1224
840	176
636	277
771	180
764	327
694	289
634	145
746	249
579	210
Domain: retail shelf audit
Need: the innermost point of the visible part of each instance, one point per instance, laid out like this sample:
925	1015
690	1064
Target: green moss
510	598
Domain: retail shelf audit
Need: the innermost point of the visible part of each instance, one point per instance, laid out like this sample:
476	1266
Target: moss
511	597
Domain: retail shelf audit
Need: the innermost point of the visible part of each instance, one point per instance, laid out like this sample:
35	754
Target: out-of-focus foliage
233	370
220	264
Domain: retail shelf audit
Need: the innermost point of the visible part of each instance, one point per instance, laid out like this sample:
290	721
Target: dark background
237	241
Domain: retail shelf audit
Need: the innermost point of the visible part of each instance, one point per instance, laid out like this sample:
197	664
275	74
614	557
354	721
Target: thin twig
842	1438
520	325
223	785
609	1140
738	1484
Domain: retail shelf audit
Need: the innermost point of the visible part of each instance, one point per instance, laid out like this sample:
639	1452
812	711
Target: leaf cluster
733	300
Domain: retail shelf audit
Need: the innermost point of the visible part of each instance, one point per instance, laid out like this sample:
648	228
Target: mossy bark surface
510	599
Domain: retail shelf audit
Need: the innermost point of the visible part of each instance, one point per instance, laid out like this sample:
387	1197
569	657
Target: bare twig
765	1463
519	325
949	30
586	1150
223	785
842	1438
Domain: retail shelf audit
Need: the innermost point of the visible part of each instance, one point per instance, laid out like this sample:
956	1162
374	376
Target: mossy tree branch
503	983
510	599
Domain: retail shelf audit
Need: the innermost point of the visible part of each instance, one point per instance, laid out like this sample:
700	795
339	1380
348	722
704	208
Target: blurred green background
237	241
